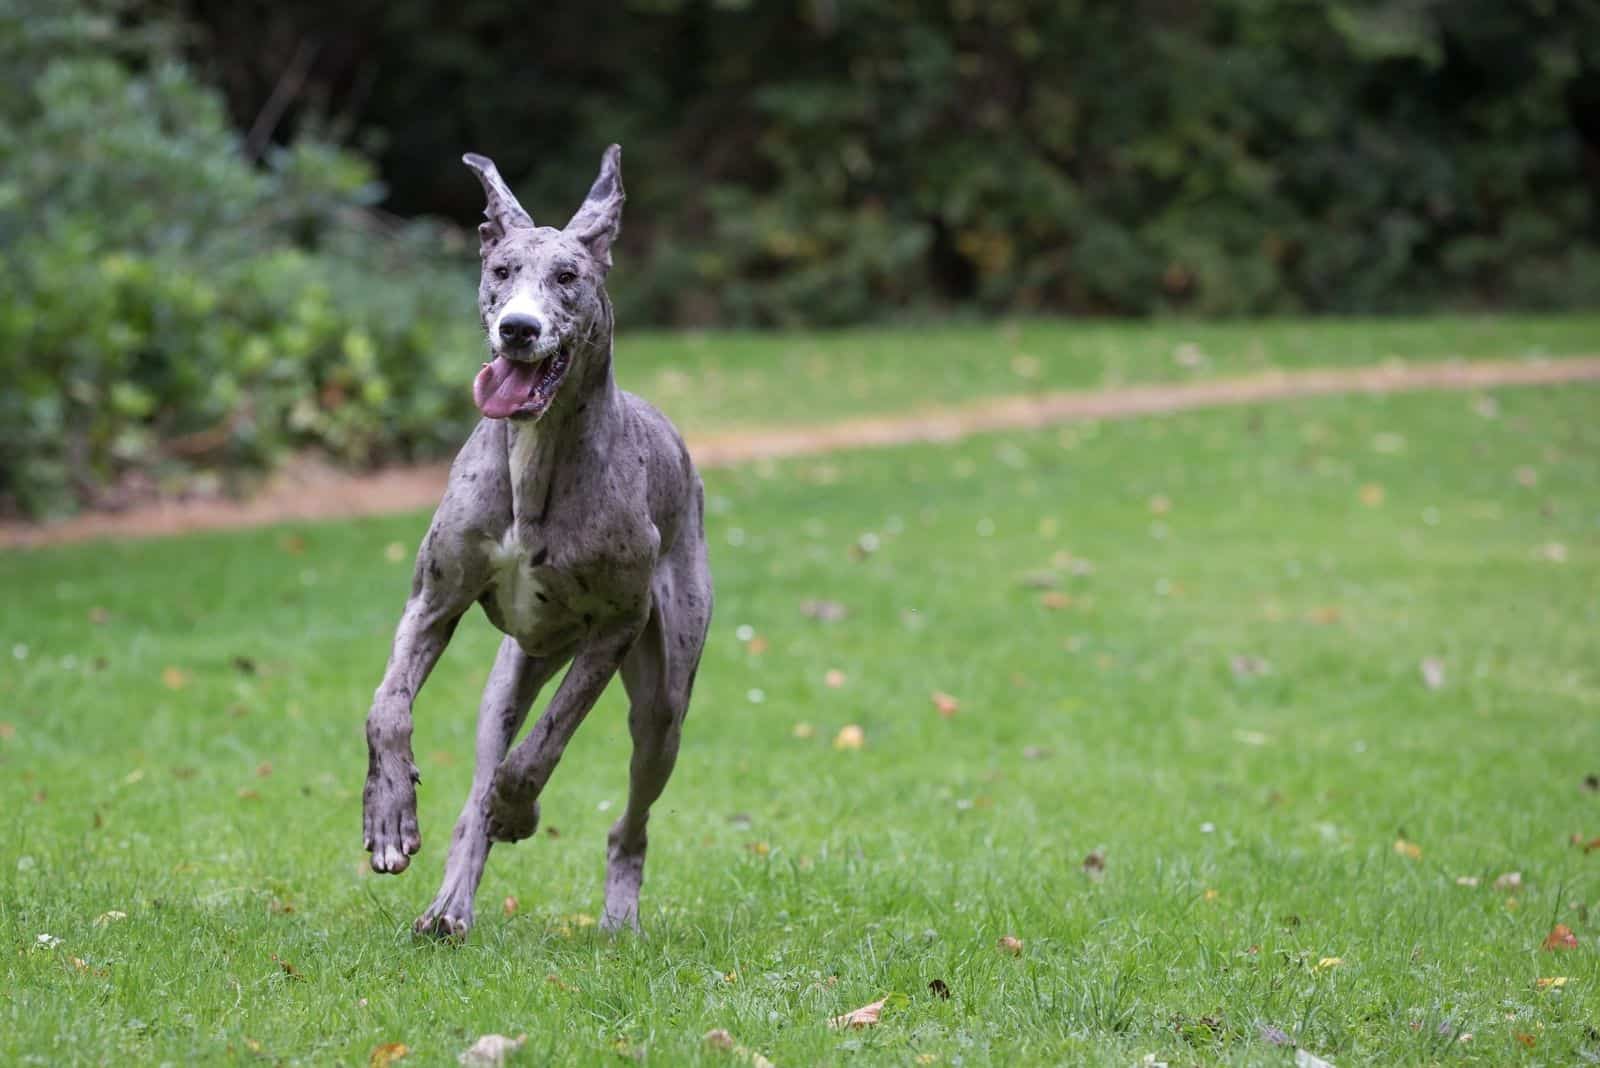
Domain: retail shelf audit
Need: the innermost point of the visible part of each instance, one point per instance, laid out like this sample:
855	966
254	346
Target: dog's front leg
521	778
389	803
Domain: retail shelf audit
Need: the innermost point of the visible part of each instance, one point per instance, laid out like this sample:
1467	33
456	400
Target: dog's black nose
518	331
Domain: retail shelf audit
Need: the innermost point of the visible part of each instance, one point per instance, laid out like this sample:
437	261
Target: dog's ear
502	209
599	221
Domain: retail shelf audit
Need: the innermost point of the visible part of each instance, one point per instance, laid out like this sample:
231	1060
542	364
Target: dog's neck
586	404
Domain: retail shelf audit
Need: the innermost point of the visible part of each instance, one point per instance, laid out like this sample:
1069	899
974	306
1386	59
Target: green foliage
834	161
166	306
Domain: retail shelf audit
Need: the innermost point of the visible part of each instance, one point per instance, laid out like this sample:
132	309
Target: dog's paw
513	816
389	819
443	924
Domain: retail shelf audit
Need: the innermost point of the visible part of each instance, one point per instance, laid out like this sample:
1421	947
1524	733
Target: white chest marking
517	592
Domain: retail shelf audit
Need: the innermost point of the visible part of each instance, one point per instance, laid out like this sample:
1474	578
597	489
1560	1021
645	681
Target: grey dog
575	517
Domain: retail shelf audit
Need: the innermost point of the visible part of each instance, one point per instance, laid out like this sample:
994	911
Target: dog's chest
525	594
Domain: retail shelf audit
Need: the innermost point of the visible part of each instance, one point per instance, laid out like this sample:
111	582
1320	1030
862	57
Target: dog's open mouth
519	389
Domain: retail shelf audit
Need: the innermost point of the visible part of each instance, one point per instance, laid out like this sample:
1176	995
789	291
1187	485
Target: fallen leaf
1432	669
757	645
1325	616
1560	937
850	737
293	544
174	678
99	616
760	849
1211	895
1094	865
136	775
1371	495
264	769
387	1054
394	552
1509	881
509	906
1527	476
944	704
490	1050
1553	551
1040	580
109	917
1055	600
804	730
1526	1039
247	794
824	611
1010	945
1410	850
939	989
1555	982
288	969
718	1039
865	1016
1249	667
833	679
1328	963
1160	505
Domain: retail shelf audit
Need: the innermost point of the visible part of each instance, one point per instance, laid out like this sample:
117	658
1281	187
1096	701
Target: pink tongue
504	386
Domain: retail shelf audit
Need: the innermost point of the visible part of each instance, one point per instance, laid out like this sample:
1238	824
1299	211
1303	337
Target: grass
733	380
1222	697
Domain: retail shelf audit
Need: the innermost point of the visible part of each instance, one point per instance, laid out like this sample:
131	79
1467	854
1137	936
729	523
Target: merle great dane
574	516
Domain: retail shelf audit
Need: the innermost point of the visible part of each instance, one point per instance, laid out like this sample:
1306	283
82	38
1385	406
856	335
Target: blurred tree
833	160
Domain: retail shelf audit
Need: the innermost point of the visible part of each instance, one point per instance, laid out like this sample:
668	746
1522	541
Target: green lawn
1223	696
723	380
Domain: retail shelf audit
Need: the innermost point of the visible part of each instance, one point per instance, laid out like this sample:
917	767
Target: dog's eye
502	273
566	278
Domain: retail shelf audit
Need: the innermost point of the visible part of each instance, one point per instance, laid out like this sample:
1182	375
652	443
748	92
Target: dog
575	517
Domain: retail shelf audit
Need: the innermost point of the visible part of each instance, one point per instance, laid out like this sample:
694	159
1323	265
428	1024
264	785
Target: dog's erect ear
502	209
599	221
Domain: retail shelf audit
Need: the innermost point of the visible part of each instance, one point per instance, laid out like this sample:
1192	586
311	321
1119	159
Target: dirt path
307	493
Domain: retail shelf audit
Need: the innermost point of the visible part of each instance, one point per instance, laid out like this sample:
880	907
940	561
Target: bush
830	161
169	309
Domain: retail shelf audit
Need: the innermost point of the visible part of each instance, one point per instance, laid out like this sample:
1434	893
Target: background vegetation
214	244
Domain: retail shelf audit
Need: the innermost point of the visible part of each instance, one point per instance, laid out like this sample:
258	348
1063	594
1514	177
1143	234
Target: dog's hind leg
659	676
513	684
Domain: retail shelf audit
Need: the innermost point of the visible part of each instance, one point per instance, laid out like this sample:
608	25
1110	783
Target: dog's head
542	294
